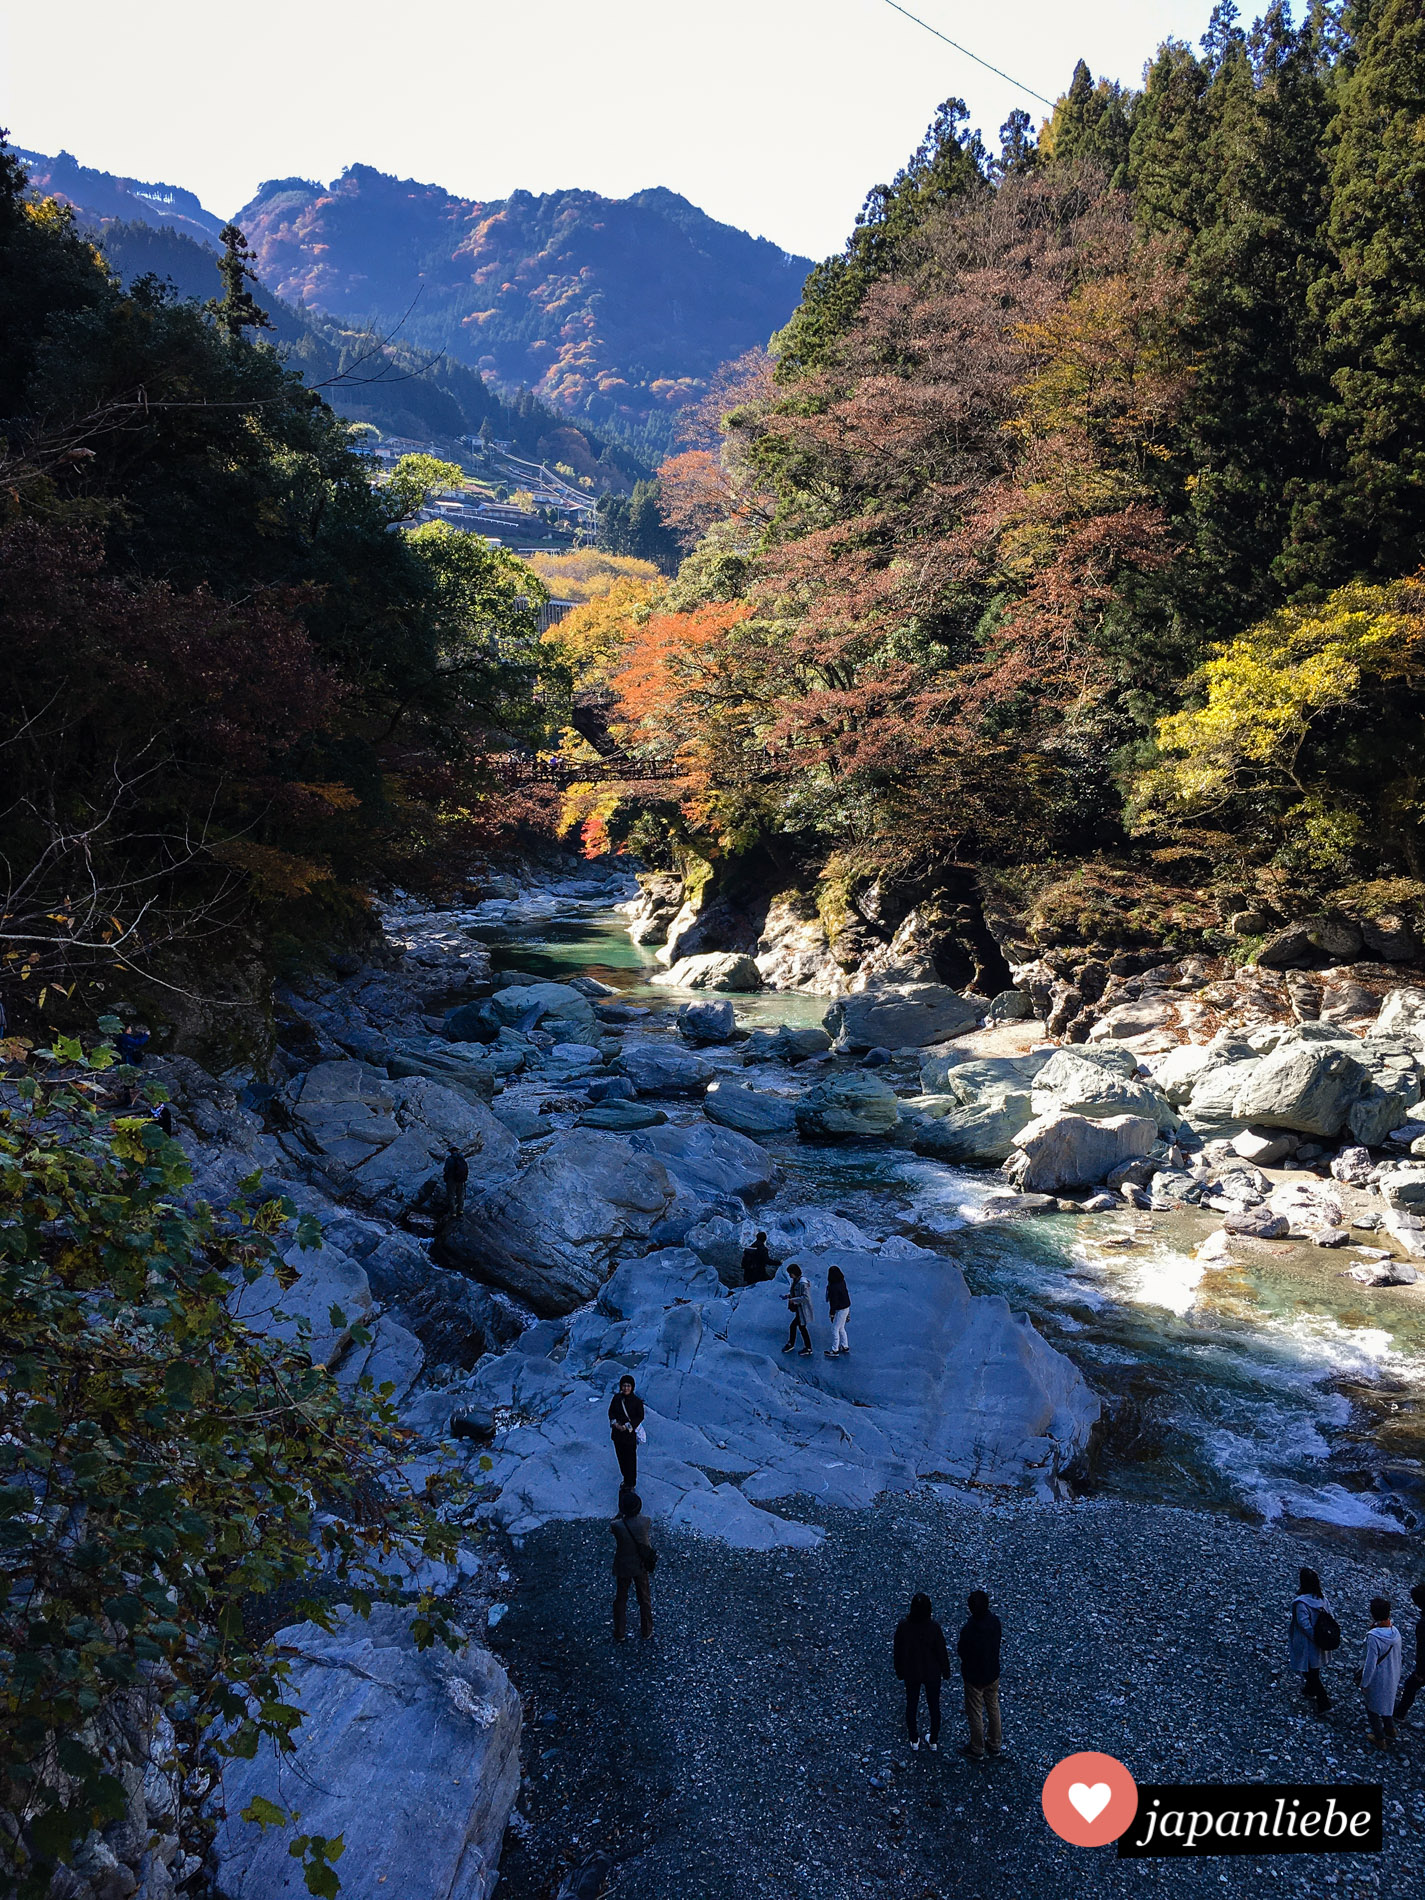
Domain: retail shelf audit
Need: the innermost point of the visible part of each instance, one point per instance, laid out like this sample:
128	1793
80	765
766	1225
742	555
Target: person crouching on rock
456	1173
921	1662
799	1306
1304	1653
634	1562
838	1302
626	1426
757	1264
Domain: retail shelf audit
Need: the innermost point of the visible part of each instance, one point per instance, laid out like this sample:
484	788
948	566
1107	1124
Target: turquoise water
1273	1388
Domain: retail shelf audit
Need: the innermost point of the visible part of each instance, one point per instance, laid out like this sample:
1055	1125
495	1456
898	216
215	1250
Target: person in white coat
1379	1674
1302	1653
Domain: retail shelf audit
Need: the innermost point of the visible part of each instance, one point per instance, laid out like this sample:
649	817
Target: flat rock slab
911	1016
938	1382
412	1756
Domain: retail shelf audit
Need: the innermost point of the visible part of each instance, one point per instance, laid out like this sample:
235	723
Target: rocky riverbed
1143	1266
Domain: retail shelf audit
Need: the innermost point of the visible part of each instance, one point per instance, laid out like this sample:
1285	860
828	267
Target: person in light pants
838	1301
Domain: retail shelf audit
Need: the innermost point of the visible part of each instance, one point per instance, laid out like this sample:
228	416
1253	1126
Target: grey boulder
657	1069
712	972
1074	1084
1308	1086
909	1017
550	1237
411	1756
706	1022
982	1136
749	1111
512	1006
711	1162
621	1116
848	1105
1060	1151
1402	1014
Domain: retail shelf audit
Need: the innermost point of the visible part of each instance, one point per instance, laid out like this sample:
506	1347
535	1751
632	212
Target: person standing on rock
456	1173
1415	1681
799	1306
634	1561
978	1650
1379	1675
838	1301
626	1425
922	1661
1304	1651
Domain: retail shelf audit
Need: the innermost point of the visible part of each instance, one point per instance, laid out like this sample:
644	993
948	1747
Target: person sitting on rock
838	1302
799	1306
634	1560
626	1426
456	1173
757	1264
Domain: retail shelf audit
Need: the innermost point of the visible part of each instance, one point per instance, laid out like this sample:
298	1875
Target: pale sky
774	115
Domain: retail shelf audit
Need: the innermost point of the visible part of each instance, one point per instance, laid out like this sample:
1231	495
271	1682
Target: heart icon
1090	1802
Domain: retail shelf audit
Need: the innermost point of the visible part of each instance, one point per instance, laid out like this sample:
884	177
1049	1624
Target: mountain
104	195
615	310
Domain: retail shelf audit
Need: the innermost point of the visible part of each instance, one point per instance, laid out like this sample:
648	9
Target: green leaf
266	1813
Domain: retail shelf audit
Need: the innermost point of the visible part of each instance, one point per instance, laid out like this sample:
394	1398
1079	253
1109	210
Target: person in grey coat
799	1306
634	1560
1302	1653
1379	1675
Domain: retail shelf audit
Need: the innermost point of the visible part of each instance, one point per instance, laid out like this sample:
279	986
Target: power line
998	73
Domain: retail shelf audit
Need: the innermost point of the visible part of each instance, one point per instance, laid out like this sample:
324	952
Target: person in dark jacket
978	1650
799	1306
757	1263
921	1662
625	1421
838	1304
455	1173
1415	1681
162	1113
634	1559
130	1044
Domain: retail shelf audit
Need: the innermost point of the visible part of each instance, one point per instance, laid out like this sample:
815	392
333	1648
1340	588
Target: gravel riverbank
757	1746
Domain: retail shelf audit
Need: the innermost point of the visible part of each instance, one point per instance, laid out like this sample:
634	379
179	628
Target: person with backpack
1415	1681
635	1560
978	1650
1379	1674
921	1661
455	1174
1313	1635
626	1427
838	1304
799	1306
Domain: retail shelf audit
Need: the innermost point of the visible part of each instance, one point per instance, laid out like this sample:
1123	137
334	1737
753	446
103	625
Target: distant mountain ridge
615	310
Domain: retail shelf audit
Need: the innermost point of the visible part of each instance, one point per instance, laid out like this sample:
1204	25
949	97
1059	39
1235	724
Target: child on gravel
1379	1675
921	1662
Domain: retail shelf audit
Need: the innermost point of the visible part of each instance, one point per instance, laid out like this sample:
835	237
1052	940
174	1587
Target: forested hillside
1073	528
616	311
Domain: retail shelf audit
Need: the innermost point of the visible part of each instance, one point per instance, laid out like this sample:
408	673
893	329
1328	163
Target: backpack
1325	1631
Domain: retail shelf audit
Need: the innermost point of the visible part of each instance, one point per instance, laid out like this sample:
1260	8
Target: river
1271	1388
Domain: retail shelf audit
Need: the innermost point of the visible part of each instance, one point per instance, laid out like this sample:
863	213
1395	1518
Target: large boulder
848	1105
412	1756
710	1162
1061	1151
318	1309
980	1136
551	1236
749	1111
787	1043
715	971
1308	1086
472	1022
662	1069
700	1023
1074	1084
1210	1106
909	1017
523	1005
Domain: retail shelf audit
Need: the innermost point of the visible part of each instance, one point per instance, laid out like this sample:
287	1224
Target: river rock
1060	1151
787	1044
661	1069
1258	1223
549	1238
712	1162
1303	1085
1072	1083
712	972
1009	1006
982	1136
848	1105
472	1022
749	1111
330	1295
611	1088
706	1022
622	1116
718	1244
938	1381
977	1082
522	1005
411	1756
1353	1167
909	1017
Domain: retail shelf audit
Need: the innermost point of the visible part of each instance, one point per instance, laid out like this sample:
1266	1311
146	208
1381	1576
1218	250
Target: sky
773	115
